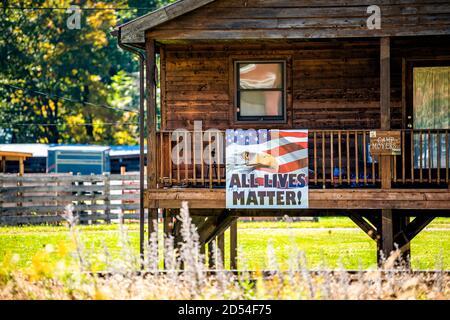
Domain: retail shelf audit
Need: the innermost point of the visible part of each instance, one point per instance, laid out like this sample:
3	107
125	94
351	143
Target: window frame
408	65
408	104
258	119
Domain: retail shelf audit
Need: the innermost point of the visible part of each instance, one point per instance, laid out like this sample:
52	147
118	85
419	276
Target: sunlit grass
331	241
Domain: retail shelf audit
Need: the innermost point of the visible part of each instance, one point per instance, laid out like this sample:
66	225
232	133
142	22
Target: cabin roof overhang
188	21
133	32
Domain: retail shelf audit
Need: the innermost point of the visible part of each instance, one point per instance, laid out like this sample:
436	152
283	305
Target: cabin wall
331	84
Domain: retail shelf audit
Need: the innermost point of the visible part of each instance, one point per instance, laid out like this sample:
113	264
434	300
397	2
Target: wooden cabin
343	69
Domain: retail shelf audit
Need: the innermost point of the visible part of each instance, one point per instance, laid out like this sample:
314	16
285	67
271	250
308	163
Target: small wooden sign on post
385	143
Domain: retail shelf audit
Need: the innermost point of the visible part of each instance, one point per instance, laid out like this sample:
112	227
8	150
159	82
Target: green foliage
39	53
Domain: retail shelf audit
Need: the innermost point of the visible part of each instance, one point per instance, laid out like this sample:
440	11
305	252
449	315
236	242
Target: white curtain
431	105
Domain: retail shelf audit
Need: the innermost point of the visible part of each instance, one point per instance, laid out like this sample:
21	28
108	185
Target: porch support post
211	253
400	238
387	232
167	230
221	248
233	245
385	83
151	137
387	235
385	106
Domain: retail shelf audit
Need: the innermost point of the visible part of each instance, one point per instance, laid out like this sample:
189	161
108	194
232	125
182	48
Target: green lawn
328	243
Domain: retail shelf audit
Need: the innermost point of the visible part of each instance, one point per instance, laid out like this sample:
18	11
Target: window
431	99
260	90
431	110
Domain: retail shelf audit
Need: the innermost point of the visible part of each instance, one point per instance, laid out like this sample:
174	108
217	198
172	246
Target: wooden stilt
402	243
233	245
151	127
214	226
167	227
387	233
364	225
211	254
203	248
221	248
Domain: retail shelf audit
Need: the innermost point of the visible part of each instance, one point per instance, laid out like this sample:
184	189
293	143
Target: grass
55	263
331	241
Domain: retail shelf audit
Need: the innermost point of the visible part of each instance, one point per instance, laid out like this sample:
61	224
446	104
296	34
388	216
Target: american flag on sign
267	151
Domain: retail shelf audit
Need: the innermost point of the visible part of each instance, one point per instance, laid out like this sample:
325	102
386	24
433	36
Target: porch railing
424	159
337	159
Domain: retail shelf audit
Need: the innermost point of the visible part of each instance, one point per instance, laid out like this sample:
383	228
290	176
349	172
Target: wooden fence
42	198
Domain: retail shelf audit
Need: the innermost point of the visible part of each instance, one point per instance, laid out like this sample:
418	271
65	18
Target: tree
61	85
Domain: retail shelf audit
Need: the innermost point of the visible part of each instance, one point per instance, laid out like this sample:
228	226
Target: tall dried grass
186	275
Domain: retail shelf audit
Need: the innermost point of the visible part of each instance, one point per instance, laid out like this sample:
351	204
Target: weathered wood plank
36	219
412	229
207	19
69	198
318	199
301	33
4	191
67	178
364	225
60	208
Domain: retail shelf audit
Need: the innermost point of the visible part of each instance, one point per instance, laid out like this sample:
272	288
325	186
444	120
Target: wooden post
21	172
233	245
1	185
151	127
81	213
107	200
123	171
375	220
385	106
400	224
387	232
202	249
211	253
167	228
21	167
221	248
385	84
93	202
